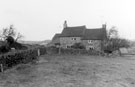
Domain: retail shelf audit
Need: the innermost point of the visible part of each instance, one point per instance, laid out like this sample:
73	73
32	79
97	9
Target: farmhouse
90	38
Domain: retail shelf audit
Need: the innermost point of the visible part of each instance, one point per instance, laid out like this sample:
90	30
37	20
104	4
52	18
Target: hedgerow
23	56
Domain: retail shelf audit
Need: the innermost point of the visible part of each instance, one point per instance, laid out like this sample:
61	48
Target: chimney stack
65	24
104	26
104	29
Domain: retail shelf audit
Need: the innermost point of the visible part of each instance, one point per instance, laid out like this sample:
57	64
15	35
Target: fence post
1	67
38	52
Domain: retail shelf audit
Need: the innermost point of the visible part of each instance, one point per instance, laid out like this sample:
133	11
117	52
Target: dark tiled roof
56	38
94	34
81	31
73	31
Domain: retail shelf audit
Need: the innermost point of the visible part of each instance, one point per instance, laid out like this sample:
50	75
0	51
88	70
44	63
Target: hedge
23	56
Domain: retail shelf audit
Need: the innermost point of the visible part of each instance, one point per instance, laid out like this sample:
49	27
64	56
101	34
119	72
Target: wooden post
1	67
38	52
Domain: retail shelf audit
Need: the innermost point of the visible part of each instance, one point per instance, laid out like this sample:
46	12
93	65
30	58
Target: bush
23	56
114	44
52	50
78	46
4	49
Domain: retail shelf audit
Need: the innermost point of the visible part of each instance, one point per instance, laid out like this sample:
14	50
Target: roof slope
73	31
94	34
56	38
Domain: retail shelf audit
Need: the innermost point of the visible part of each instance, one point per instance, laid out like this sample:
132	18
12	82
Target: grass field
72	71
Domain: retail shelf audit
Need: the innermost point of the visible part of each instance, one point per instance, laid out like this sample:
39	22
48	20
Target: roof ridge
93	28
76	26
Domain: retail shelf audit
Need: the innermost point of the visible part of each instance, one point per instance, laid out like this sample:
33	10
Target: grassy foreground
72	71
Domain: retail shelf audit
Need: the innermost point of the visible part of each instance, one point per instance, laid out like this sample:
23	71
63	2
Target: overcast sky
41	19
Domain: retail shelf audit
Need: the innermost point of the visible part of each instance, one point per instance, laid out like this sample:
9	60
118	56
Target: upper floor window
73	38
90	41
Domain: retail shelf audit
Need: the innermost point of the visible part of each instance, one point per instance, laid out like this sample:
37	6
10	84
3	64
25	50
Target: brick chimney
105	31
65	24
104	26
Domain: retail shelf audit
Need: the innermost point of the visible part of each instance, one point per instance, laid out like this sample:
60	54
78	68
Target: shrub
4	49
23	56
78	46
113	44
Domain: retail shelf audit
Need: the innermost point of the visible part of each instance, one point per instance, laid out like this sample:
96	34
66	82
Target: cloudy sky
41	19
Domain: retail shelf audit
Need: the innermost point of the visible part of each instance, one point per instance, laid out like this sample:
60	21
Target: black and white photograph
67	43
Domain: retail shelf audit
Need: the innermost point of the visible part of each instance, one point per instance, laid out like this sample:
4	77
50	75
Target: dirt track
72	71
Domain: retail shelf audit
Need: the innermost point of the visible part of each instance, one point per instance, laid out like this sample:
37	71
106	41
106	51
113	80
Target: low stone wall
79	52
13	58
71	51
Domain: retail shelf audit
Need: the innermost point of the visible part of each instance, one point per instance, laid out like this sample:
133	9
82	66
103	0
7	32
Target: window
91	47
90	41
68	46
73	38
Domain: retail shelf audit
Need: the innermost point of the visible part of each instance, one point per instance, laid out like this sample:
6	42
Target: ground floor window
73	38
67	46
91	47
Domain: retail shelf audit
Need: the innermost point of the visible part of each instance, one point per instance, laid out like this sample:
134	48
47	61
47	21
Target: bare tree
113	41
19	36
10	32
113	32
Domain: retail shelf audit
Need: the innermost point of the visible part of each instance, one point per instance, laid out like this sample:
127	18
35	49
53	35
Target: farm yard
72	71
